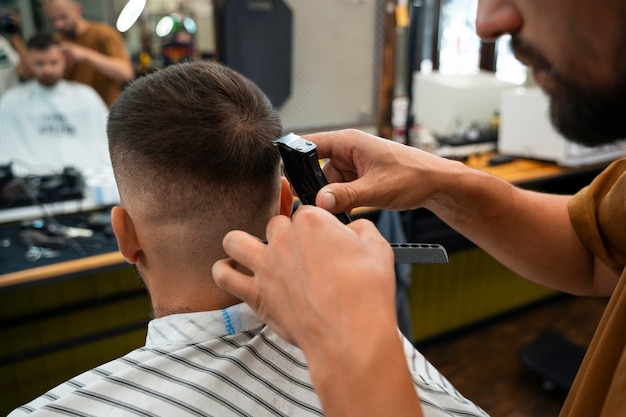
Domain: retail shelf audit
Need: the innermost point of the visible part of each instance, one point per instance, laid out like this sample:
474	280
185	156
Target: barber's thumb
337	198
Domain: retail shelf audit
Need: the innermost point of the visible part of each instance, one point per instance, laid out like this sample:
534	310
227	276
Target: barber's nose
496	18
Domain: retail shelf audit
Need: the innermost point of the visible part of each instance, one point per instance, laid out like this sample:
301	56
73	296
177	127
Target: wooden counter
76	266
523	171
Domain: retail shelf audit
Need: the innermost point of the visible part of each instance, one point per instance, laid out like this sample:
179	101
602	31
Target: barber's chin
544	78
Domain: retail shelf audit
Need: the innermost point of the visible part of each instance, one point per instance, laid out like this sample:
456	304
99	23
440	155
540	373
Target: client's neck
187	295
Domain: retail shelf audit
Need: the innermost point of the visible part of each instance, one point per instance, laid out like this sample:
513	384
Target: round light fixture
190	25
129	14
164	26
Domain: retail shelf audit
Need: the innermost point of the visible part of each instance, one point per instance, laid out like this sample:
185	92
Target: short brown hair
42	42
193	140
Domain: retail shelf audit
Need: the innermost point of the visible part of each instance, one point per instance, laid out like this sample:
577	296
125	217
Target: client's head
191	148
47	59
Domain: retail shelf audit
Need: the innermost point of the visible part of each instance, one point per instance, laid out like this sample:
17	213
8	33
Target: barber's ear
126	234
286	198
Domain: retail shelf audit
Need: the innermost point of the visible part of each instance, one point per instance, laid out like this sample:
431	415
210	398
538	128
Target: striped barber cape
217	363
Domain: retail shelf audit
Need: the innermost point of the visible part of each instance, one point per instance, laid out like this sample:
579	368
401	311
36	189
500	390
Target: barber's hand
365	170
16	19
316	280
74	53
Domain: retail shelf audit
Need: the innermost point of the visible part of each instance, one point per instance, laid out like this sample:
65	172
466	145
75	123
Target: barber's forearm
24	70
119	69
528	232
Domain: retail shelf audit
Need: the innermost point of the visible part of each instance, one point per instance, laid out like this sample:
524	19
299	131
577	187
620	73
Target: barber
95	51
343	305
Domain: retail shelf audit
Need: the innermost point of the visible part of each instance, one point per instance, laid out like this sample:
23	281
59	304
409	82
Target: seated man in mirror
48	123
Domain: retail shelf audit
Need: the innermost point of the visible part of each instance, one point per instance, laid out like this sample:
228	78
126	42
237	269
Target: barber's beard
589	116
70	31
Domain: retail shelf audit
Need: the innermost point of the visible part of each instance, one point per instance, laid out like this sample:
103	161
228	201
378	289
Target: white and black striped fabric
45	129
219	363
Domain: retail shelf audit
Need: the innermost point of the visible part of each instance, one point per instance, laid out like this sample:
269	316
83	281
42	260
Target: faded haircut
193	140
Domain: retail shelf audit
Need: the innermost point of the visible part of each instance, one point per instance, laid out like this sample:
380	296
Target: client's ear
286	197
124	229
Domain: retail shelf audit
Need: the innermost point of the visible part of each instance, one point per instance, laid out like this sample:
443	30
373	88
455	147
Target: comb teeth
419	253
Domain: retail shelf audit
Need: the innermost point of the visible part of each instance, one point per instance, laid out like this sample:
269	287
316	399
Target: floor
482	362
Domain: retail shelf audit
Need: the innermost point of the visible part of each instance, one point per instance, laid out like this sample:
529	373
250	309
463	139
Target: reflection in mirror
170	31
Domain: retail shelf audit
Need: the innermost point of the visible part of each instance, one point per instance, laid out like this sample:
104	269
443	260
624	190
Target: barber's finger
311	219
364	228
228	278
338	143
368	232
334	173
276	226
324	141
340	197
242	247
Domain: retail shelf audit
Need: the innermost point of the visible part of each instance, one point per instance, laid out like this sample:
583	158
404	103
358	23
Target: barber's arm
118	68
329	289
529	232
23	69
17	42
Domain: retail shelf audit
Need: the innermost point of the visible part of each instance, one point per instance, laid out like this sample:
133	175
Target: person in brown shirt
96	52
316	281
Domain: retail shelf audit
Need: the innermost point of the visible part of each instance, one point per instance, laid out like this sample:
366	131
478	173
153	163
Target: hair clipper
303	170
